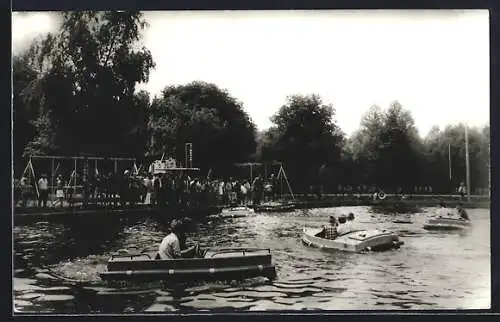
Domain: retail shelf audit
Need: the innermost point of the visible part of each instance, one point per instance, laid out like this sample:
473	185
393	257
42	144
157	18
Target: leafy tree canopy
206	116
88	73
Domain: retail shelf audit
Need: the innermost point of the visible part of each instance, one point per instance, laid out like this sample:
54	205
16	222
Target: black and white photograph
186	162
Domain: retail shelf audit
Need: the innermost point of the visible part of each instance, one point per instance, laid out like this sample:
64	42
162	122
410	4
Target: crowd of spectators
177	189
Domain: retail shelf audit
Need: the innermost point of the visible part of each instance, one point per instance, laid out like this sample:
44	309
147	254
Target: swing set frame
72	182
281	173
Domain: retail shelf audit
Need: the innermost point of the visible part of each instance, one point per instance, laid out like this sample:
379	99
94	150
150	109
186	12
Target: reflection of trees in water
142	235
84	236
116	302
33	243
47	243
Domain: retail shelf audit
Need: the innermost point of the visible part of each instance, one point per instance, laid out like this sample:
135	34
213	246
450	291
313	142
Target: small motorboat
354	241
447	223
274	207
403	221
223	264
233	212
239	211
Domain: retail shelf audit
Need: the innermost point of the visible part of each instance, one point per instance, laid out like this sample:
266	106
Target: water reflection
432	270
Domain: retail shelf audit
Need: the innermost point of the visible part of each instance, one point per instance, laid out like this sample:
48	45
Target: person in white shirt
172	245
59	191
43	190
148	185
350	226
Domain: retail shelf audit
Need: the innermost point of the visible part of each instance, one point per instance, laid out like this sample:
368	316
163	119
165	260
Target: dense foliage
305	137
386	151
200	113
75	93
85	87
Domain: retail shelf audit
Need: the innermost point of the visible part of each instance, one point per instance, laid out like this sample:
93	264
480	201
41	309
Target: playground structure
251	170
265	170
73	169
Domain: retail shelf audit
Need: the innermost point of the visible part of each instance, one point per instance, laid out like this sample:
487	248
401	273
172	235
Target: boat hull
234	212
221	265
443	223
358	241
401	221
274	207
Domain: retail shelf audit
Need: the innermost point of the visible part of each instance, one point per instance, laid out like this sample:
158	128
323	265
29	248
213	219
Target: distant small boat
234	212
402	221
447	223
223	264
274	207
355	241
237	209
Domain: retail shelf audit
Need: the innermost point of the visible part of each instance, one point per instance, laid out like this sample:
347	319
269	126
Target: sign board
161	166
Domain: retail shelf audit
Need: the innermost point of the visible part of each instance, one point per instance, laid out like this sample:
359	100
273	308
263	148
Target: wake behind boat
355	241
222	264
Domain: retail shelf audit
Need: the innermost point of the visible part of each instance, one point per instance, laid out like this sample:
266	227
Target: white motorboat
447	223
355	241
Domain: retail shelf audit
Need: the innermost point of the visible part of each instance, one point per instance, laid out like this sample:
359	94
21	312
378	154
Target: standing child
43	190
59	191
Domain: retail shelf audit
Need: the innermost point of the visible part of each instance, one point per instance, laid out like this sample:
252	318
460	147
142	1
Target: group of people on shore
158	190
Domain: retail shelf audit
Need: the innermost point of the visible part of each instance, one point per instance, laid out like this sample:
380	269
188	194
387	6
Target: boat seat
321	234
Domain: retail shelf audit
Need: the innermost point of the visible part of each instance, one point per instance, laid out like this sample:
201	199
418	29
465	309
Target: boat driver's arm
190	251
176	250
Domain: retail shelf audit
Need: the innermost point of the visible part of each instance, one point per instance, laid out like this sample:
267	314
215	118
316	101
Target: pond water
432	270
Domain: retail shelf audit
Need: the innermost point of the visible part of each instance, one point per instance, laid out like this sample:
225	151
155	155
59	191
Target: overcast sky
435	63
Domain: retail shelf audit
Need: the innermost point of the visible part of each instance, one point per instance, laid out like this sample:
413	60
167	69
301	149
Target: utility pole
449	160
467	166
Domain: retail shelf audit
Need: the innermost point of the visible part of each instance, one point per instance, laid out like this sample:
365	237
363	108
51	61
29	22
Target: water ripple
431	270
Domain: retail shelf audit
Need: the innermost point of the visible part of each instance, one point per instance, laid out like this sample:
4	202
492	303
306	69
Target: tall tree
306	138
90	68
441	146
484	159
363	148
400	149
200	113
386	151
25	109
